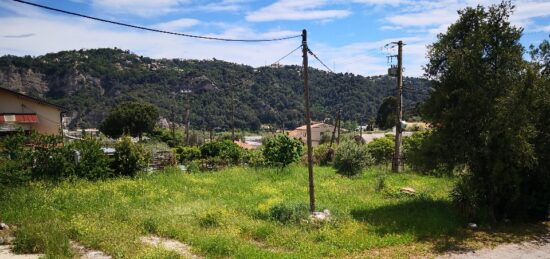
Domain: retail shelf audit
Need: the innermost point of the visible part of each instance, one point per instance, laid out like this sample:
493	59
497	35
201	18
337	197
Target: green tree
281	150
481	108
385	117
133	118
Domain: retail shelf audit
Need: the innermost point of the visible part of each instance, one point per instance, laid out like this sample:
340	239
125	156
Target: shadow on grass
436	222
421	217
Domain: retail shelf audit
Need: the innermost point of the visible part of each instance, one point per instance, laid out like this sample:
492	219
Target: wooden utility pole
396	163
308	124
187	108
232	112
334	130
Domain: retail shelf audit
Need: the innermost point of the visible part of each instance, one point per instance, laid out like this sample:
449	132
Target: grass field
226	214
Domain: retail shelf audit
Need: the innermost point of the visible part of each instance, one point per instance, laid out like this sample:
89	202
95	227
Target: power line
151	29
286	55
315	56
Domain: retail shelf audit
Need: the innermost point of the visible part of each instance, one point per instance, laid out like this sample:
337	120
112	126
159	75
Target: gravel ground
539	248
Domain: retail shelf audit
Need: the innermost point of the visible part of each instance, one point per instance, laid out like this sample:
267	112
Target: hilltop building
20	111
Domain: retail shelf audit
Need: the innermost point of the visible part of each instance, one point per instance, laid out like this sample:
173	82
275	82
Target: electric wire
279	60
151	29
315	56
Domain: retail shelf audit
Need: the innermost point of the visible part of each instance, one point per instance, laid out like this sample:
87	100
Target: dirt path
170	244
6	253
530	249
86	253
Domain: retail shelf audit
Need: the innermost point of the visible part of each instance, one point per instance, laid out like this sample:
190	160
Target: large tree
482	109
133	118
385	117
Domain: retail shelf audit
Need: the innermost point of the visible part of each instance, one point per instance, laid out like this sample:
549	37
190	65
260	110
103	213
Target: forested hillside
90	82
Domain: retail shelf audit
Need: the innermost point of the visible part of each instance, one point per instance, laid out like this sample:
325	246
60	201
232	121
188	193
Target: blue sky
348	35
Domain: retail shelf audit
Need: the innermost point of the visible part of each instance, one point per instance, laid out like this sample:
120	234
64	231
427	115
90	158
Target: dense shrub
254	158
423	152
50	159
13	172
351	158
382	149
129	158
92	162
323	154
285	213
186	154
281	150
225	149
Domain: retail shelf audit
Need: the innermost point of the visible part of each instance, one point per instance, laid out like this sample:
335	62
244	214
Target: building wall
315	134
49	117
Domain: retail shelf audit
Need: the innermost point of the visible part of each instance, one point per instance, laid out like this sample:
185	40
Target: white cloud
296	10
176	25
138	7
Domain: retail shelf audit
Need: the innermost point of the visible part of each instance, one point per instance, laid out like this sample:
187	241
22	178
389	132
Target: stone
321	216
4	226
408	190
472	225
2	241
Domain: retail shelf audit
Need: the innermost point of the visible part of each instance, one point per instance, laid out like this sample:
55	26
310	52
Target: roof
18	117
316	125
2	89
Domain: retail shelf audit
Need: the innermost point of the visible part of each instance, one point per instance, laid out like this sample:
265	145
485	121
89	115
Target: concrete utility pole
308	124
396	163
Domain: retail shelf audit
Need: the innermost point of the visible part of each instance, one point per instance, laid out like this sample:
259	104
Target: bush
129	158
50	158
93	163
288	213
186	154
13	172
254	158
351	158
382	149
225	149
323	154
282	150
424	152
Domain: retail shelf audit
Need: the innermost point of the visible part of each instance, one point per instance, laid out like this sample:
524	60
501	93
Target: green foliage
13	172
385	117
133	118
323	154
424	151
351	158
187	154
382	149
281	150
288	213
226	150
50	159
129	158
254	158
486	107
93	162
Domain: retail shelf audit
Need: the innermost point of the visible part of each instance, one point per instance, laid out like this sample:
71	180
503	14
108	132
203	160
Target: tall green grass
223	214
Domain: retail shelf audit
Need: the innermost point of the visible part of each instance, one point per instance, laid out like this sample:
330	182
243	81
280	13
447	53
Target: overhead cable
151	29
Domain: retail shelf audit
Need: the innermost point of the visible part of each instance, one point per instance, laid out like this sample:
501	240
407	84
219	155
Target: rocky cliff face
23	80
